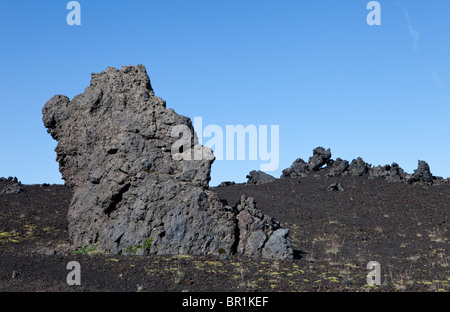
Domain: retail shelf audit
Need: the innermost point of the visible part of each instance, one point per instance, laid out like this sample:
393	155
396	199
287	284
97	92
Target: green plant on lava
85	249
146	246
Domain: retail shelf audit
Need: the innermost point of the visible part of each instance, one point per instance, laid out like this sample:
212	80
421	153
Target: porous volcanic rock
136	188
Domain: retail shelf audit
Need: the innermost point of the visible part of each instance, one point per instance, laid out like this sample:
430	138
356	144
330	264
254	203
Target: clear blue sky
315	68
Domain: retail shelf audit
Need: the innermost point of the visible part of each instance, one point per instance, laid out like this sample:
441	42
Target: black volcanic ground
335	234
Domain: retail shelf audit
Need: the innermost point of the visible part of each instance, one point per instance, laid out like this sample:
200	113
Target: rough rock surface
320	158
301	169
391	173
338	167
132	191
422	174
358	167
298	169
259	177
260	234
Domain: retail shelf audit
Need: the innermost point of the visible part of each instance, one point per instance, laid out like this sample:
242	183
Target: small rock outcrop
260	234
422	174
298	169
358	167
259	177
390	173
320	158
301	169
9	179
136	189
338	168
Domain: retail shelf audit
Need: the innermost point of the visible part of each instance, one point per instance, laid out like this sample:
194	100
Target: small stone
336	187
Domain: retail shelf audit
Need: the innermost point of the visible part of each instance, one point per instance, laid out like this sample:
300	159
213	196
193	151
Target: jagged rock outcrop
301	169
136	188
9	179
259	177
320	158
358	167
422	174
337	168
298	169
391	173
260	234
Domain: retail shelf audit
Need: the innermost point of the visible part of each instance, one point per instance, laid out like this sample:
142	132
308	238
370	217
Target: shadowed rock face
130	195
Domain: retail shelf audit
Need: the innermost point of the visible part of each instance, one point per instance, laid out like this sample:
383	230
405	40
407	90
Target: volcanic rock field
139	216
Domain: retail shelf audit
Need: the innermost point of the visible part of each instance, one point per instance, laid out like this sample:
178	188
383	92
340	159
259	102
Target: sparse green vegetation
85	249
146	246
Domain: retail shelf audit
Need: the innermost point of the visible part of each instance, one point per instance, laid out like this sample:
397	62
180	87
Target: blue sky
315	68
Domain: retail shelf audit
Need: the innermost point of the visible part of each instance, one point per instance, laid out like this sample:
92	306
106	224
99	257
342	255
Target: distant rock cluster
390	173
130	194
321	161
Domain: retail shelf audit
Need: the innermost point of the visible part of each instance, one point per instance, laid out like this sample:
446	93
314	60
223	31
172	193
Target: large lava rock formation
130	193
